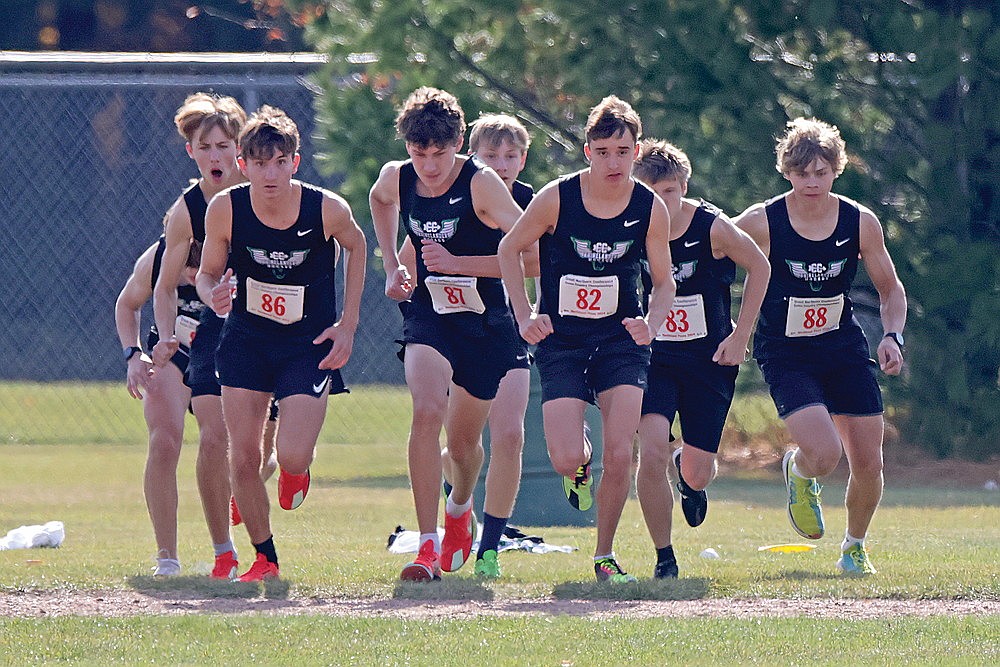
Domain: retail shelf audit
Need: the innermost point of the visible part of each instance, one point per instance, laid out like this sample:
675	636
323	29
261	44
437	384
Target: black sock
492	532
666	554
267	548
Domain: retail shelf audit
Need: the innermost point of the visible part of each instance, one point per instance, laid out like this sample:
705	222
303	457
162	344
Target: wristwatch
130	352
898	337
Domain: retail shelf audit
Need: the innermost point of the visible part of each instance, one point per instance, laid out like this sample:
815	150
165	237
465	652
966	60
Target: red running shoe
426	567
292	489
261	569
456	545
225	566
234	512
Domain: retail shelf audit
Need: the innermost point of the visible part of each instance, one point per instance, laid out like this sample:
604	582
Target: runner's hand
137	378
164	350
731	352
535	328
399	285
436	257
222	295
343	343
639	329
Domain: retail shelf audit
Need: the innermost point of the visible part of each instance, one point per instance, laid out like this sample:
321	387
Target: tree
911	87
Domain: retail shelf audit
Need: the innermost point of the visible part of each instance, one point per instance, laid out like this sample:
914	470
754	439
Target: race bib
184	328
812	317
685	321
278	303
589	297
454	294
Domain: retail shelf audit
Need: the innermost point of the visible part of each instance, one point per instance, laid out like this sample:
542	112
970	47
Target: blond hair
203	111
493	129
808	139
659	160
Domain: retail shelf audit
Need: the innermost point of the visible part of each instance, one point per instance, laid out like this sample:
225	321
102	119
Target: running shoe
804	510
578	488
167	567
665	569
608	569
456	545
234	512
426	567
261	569
488	567
855	561
694	503
292	489
225	566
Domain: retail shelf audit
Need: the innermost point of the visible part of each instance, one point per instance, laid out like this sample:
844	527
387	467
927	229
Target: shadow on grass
171	588
802	575
693	588
444	590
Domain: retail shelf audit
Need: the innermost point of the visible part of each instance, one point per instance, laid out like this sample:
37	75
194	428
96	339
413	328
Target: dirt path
116	603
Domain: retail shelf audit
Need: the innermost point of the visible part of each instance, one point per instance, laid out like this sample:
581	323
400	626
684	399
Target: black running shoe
693	503
666	569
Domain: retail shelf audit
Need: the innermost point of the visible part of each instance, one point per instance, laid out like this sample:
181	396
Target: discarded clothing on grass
402	541
50	534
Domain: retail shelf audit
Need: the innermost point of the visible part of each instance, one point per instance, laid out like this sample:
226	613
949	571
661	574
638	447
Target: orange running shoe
225	566
426	567
234	512
261	569
292	489
456	545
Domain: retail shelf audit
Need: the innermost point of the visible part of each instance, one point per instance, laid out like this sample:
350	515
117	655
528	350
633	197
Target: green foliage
912	88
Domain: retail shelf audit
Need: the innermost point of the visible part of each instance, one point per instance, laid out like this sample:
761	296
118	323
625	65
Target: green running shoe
608	569
855	561
804	510
488	567
578	488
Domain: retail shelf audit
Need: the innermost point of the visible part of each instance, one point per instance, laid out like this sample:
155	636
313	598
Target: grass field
930	543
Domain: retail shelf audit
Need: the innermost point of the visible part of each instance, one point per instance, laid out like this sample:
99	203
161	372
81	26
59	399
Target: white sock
434	538
850	541
455	510
610	555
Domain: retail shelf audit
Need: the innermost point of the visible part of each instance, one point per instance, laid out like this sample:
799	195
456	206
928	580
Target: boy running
811	351
458	333
593	340
281	336
697	351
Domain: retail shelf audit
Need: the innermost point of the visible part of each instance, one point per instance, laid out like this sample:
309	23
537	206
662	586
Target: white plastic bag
50	534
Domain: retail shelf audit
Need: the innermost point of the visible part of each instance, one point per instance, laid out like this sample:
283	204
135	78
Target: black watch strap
130	352
897	337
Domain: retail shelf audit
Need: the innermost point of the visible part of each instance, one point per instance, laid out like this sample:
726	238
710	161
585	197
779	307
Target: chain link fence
93	163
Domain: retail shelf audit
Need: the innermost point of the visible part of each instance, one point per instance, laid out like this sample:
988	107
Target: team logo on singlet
600	253
434	230
278	261
817	272
684	270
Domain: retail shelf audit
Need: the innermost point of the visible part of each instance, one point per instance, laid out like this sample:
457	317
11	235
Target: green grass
928	543
520	641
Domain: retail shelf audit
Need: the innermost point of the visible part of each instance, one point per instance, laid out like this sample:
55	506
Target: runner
281	335
501	142
210	125
697	351
593	340
811	350
459	336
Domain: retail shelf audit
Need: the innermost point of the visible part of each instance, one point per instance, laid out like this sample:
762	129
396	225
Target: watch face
129	352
